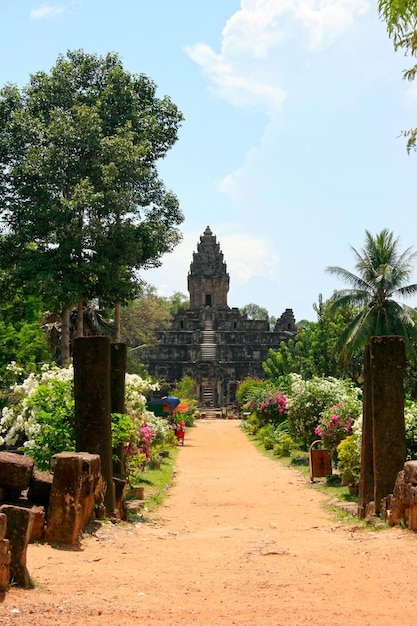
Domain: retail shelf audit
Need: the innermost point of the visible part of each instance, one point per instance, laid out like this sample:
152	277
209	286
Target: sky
291	146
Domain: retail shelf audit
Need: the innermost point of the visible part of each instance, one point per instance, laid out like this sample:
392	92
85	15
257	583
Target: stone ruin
401	505
38	506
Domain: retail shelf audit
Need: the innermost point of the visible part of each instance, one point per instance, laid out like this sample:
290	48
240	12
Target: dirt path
241	540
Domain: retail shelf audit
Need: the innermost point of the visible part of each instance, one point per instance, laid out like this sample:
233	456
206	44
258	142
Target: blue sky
291	146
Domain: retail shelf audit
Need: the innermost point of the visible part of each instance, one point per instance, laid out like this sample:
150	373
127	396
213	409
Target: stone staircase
208	345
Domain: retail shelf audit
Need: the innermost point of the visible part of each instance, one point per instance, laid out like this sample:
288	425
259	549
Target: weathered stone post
383	430
118	386
91	357
18	532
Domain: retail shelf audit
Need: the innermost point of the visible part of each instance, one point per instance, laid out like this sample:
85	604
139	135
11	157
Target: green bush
410	415
308	399
349	459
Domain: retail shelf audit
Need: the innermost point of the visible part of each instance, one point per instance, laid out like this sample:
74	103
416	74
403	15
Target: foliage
178	301
41	418
336	422
312	352
272	406
400	16
265	405
308	399
410	415
382	274
82	206
284	444
266	435
255	312
142	317
349	459
248	389
22	340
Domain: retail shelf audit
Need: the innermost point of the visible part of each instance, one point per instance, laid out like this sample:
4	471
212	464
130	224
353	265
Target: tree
382	274
255	312
21	337
143	316
400	17
82	206
178	301
312	352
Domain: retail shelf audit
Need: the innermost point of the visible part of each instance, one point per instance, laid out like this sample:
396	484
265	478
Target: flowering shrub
272	406
410	415
336	422
308	399
40	418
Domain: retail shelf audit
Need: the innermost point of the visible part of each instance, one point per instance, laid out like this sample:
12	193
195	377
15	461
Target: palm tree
383	272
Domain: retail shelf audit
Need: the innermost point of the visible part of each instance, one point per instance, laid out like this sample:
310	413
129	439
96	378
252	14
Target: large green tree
312	352
401	20
382	275
82	207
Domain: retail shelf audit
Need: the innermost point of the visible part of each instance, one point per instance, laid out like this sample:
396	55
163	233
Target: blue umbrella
170	401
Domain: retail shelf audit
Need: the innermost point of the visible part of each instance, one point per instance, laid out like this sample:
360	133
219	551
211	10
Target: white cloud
246	72
245	255
46	11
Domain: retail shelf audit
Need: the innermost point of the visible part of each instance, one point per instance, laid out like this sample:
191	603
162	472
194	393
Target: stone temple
214	344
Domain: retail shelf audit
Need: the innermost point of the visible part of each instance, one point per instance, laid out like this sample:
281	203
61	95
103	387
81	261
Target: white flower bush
40	415
307	399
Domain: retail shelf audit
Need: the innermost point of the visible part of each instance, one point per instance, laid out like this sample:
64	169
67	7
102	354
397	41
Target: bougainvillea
335	424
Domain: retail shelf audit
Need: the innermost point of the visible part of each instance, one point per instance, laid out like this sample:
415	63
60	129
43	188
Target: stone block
3	525
412	517
19	528
4	577
64	513
40	486
410	472
15	471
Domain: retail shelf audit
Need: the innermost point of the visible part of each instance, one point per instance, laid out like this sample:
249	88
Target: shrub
410	415
285	443
336	422
266	436
349	457
40	418
308	399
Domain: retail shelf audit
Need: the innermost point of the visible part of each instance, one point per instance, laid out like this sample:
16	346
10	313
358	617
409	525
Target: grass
157	483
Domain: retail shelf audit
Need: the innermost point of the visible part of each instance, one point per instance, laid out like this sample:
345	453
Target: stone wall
40	506
401	505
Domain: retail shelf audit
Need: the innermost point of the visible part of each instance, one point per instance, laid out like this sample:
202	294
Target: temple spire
208	280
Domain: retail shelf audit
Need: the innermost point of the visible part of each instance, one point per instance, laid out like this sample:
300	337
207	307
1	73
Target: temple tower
215	344
208	280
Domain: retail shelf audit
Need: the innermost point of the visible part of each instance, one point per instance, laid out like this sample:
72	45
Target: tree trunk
65	335
117	323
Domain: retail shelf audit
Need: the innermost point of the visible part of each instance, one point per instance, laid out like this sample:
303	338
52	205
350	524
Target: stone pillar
93	406
71	502
18	532
384	418
64	512
5	555
118	387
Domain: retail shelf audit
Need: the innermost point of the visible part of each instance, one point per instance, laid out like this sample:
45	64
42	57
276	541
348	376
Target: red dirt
240	540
